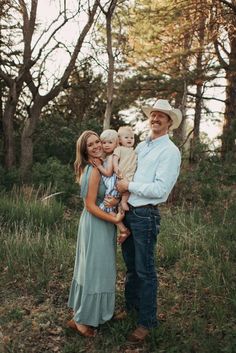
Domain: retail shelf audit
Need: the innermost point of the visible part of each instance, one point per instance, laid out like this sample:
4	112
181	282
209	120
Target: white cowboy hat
162	105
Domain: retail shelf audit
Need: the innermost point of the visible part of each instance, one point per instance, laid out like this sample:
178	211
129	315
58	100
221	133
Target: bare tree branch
54	92
187	137
66	19
221	60
206	98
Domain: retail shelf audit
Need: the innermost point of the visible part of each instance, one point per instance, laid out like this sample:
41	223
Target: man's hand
122	185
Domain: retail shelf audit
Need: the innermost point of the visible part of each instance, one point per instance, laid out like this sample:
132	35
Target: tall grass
33	254
36	238
196	257
15	210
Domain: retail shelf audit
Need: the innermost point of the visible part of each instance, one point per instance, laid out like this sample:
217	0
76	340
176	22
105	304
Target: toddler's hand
119	174
96	162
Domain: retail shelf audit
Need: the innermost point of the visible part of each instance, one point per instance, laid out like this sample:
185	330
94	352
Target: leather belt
142	206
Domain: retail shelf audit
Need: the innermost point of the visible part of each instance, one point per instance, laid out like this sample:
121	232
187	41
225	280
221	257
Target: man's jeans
139	256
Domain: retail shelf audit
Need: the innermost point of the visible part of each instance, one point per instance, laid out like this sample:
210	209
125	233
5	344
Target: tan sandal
138	336
86	332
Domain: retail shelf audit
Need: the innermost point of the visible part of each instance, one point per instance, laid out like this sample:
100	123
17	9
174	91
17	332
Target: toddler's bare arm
108	170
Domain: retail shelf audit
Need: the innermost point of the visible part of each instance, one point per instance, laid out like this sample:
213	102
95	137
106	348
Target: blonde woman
92	292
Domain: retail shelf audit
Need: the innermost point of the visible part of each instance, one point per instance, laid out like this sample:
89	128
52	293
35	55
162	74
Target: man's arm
165	178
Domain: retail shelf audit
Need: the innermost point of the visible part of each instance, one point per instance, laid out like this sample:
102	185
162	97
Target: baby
109	139
125	159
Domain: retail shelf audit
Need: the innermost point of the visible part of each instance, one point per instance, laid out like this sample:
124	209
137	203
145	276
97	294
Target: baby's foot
124	234
124	205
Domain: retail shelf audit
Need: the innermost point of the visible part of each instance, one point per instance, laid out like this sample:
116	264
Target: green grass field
196	257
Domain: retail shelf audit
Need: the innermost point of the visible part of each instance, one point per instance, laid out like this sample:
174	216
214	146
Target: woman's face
94	147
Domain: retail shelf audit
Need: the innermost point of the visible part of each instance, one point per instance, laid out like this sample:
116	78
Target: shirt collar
149	140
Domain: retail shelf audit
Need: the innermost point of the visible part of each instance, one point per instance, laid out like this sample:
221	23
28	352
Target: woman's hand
111	201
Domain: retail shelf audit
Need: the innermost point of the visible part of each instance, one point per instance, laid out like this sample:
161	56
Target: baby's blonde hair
109	134
124	129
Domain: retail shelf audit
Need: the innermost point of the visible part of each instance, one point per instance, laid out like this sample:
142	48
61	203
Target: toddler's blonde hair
109	134
124	129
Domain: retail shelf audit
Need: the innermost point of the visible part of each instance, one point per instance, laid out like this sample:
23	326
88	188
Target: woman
92	292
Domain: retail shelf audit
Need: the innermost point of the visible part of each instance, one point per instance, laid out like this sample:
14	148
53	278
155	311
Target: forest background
67	66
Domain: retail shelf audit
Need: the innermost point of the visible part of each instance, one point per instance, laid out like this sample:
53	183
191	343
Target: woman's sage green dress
92	292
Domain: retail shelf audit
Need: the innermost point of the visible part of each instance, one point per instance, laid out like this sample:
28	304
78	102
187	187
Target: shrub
60	177
9	178
205	183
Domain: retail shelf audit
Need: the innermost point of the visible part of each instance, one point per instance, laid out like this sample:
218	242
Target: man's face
159	123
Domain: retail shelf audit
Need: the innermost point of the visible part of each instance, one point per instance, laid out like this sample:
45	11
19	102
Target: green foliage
56	137
206	182
60	177
9	178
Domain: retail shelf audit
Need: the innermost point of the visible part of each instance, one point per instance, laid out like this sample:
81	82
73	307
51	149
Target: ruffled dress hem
91	308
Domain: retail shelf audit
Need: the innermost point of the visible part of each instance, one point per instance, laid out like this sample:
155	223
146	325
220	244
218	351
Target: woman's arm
90	200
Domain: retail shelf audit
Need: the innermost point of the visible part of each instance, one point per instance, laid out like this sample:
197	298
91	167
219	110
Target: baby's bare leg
120	225
123	231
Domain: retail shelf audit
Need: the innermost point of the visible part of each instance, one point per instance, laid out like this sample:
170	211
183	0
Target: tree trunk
110	79
181	99
229	128
8	130
27	136
228	137
26	75
198	110
193	154
8	139
180	102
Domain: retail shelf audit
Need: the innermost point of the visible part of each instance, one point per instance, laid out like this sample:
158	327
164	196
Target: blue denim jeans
139	255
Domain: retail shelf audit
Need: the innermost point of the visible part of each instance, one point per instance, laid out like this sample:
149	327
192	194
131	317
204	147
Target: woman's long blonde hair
82	154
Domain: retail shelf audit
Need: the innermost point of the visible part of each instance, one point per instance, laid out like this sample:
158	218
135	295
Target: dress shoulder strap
85	180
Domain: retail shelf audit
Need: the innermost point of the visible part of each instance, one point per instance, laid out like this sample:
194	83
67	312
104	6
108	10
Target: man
156	174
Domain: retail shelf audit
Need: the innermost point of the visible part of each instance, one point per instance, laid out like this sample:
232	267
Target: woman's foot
83	330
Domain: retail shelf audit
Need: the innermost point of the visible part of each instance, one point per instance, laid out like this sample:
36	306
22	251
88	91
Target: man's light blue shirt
158	167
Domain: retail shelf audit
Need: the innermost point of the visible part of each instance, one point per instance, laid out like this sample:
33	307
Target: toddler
109	139
125	159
